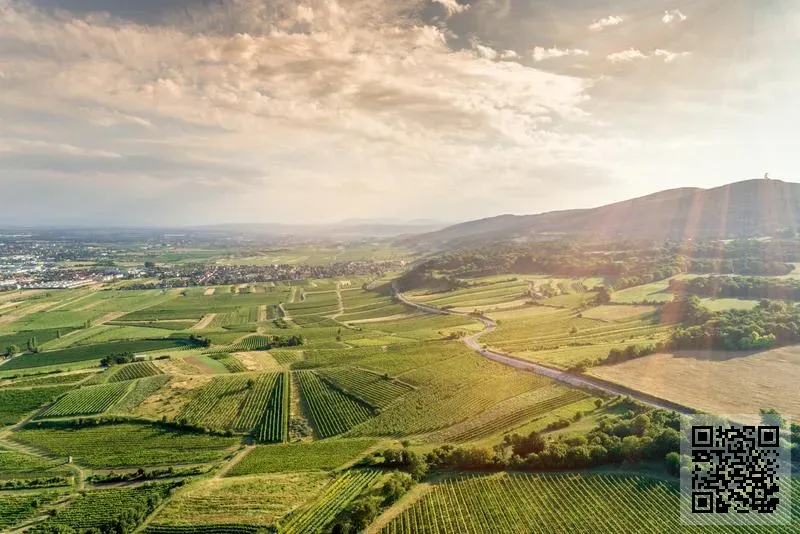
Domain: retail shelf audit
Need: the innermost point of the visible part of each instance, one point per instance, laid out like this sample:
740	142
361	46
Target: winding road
580	381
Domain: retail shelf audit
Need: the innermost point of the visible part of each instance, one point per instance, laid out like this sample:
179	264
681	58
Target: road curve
580	381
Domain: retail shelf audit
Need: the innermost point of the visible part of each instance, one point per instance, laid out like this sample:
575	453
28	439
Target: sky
178	112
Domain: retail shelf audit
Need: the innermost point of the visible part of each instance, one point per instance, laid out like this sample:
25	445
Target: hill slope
749	208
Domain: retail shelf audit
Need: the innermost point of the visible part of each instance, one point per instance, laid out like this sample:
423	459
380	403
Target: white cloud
668	56
601	24
630	54
452	6
540	53
509	54
633	54
673	16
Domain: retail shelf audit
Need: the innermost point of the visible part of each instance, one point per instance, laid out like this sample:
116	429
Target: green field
134	370
296	457
108	510
127	445
17	508
15	404
88	401
376	390
88	353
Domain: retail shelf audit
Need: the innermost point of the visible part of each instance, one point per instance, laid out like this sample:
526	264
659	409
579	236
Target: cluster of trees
290	341
767	325
361	513
625	264
751	287
35	483
120	358
637	435
198	341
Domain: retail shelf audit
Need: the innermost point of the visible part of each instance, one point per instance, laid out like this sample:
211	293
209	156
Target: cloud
540	53
509	54
601	24
668	56
673	16
630	54
633	54
452	7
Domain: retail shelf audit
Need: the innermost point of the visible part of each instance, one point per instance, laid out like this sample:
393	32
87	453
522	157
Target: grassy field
253	500
705	380
297	457
16	508
127	445
87	401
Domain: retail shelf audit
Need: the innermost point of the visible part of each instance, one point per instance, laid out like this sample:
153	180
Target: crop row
17	508
15	404
376	390
133	371
141	390
232	364
543	503
332	411
88	400
236	403
203	529
274	425
88	353
336	496
517	417
115	510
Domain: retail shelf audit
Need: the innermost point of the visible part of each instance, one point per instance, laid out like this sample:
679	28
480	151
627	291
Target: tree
673	460
12	350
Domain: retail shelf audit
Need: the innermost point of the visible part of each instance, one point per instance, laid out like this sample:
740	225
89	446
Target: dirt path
233	461
210	291
340	312
204	322
395	317
292	295
107	318
576	380
24	312
262	313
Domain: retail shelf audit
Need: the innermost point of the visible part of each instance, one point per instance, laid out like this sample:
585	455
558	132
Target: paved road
581	381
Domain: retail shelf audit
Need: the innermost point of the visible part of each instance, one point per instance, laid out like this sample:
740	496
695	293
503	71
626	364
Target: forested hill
743	209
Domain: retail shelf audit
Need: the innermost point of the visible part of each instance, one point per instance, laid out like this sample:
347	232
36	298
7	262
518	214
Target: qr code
730	470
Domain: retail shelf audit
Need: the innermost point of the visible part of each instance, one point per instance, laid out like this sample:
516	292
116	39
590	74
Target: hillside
748	208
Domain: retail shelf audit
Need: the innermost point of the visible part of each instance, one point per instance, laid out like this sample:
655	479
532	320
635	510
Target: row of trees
751	287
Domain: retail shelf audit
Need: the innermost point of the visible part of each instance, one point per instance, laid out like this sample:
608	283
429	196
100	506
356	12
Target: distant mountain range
743	209
348	229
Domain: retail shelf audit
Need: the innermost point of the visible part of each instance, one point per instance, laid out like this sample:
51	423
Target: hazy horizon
179	113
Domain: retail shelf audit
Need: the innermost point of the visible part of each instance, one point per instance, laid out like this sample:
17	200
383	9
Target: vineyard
203	529
49	380
502	417
127	445
88	353
255	500
343	489
134	370
232	364
15	404
240	404
88	400
543	503
332	411
295	457
376	390
142	389
114	510
274	424
17	508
